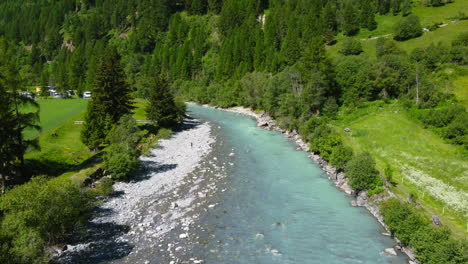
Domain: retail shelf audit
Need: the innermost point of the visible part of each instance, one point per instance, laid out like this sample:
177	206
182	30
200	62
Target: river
224	191
279	206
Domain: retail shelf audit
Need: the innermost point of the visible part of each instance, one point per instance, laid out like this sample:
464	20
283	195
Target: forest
271	55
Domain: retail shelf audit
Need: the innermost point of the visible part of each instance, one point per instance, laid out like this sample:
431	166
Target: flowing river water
279	207
225	191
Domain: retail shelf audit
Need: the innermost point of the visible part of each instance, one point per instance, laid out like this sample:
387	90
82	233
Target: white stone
390	251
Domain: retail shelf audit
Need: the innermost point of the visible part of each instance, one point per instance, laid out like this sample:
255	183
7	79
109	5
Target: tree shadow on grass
54	168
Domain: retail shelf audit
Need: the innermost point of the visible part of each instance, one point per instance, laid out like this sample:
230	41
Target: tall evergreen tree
350	19
406	7
161	106
14	122
110	100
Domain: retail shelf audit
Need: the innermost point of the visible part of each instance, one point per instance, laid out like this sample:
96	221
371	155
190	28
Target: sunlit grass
402	143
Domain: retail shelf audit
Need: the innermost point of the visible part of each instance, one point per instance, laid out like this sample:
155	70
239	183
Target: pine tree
110	100
14	122
406	7
396	6
291	48
350	24
161	107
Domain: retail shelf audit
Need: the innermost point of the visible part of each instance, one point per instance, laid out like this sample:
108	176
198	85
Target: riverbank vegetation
360	80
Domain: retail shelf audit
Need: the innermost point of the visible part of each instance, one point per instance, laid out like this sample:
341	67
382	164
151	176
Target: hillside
394	72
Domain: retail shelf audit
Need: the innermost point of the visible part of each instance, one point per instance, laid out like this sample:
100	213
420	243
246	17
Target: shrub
340	156
409	27
121	162
103	188
39	213
324	141
362	173
121	158
433	245
351	46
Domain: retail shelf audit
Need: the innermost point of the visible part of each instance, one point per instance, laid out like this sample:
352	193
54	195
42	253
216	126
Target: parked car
27	94
87	95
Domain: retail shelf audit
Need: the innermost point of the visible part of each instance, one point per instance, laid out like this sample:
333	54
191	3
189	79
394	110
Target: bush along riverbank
356	175
38	217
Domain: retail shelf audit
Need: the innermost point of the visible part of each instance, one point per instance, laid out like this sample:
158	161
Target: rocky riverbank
358	199
149	219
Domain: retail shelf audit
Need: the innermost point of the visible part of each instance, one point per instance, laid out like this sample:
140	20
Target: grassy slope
54	112
61	148
428	16
414	154
460	89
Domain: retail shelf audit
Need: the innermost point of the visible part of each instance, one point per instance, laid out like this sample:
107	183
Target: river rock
346	188
361	199
390	251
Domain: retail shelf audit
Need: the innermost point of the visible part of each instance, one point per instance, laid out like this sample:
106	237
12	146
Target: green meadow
424	165
54	112
61	150
447	14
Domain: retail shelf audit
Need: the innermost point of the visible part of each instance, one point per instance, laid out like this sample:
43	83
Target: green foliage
324	141
432	244
39	213
451	122
409	27
121	157
120	162
103	188
110	101
350	24
340	156
362	173
161	106
15	122
388	172
351	46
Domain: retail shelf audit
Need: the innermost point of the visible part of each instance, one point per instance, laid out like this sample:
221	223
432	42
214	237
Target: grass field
428	15
55	112
460	89
61	147
424	165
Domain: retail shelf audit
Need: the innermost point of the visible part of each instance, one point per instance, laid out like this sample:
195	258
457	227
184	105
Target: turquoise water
279	207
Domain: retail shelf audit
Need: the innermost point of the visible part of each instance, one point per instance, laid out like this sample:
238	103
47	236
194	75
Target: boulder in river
390	251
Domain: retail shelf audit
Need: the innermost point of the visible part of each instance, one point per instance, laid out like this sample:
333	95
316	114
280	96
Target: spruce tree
406	7
350	24
14	122
161	107
110	101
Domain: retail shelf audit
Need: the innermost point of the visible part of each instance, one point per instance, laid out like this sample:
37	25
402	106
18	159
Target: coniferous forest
298	60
